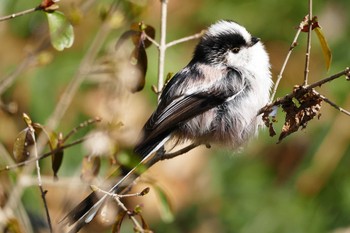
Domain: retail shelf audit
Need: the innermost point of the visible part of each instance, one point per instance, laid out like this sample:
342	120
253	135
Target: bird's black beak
254	40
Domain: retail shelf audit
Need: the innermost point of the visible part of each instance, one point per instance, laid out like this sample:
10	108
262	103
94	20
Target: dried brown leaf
139	61
57	156
298	116
23	145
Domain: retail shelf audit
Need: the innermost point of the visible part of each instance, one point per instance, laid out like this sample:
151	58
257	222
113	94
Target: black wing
172	113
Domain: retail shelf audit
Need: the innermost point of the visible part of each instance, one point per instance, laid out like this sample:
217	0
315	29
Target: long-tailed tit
215	99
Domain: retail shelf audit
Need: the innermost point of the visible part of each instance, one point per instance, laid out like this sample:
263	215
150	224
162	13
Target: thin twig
325	99
17	190
308	48
163	156
162	45
319	83
42	191
279	101
10	167
279	77
14	15
116	197
155	43
185	39
80	126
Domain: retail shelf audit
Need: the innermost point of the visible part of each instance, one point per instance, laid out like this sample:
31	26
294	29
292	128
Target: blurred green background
299	185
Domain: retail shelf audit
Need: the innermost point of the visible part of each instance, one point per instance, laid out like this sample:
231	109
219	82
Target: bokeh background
299	185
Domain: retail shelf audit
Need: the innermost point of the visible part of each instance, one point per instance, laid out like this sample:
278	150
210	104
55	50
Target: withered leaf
267	121
23	145
298	116
305	24
139	60
57	155
55	142
138	33
125	36
140	38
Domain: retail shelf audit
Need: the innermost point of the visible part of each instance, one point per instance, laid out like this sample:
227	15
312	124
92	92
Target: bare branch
325	99
161	155
155	43
42	191
291	48
10	167
345	72
117	197
308	48
14	15
185	39
80	126
280	101
162	45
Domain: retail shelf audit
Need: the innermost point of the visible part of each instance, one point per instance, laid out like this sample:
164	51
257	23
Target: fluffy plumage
214	99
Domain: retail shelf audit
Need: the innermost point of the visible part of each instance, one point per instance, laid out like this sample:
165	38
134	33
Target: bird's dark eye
235	50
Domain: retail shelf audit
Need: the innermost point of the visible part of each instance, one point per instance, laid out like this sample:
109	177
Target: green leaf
325	48
61	31
165	208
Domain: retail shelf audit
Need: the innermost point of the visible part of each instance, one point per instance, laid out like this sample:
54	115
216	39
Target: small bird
215	99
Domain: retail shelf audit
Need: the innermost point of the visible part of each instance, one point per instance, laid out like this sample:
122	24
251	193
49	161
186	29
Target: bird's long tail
87	209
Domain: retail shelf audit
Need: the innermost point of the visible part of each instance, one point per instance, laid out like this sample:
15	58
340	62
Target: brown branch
14	15
162	45
42	191
279	101
185	39
291	48
10	167
325	99
345	72
308	48
80	126
155	43
117	197
161	155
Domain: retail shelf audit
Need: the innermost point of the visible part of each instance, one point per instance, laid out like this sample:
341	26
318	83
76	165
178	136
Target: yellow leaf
325	48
